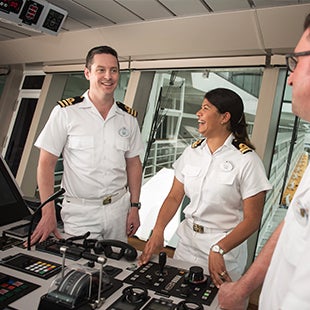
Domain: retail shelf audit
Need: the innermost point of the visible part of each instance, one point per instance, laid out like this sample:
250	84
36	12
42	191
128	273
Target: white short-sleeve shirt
94	149
286	284
218	183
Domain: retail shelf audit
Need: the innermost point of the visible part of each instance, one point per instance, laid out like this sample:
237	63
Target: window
290	158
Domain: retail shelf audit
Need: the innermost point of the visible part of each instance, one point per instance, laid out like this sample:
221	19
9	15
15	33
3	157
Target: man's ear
86	73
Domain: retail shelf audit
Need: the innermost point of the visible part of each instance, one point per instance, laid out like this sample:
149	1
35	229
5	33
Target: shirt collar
89	104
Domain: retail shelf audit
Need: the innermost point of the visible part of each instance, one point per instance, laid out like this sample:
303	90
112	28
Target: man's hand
133	221
230	298
46	226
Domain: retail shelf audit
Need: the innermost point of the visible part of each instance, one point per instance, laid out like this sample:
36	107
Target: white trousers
102	221
194	247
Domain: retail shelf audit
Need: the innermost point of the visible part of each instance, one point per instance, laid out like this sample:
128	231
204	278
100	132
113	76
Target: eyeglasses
292	61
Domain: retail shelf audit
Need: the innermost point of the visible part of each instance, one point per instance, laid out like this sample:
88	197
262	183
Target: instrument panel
158	285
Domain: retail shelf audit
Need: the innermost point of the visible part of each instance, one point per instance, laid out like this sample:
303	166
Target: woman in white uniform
226	183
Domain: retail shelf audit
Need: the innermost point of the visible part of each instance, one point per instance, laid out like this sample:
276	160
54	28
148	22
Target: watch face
216	248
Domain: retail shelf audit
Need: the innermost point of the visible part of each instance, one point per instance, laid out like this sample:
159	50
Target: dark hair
104	49
226	100
307	22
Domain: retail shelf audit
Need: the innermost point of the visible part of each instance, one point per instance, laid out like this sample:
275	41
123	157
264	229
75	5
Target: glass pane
20	132
170	123
290	158
33	82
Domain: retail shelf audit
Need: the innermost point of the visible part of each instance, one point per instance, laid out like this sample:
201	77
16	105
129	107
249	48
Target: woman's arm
166	213
252	213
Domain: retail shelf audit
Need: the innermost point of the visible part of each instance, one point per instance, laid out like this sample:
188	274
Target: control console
191	285
97	281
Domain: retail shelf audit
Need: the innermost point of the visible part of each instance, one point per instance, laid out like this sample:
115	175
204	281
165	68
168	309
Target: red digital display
31	12
13	6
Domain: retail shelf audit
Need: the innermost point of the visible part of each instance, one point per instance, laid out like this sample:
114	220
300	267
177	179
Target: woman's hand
217	269
154	244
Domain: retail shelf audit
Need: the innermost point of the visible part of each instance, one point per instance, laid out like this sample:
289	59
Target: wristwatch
136	205
217	249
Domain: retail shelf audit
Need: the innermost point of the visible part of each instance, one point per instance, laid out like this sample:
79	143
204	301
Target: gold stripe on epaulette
197	143
243	148
131	111
70	101
127	109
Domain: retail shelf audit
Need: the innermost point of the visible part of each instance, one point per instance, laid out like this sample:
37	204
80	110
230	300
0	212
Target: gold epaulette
70	101
241	146
197	143
127	109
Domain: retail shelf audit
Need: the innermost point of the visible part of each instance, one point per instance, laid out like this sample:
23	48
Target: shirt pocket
81	151
122	145
191	171
191	181
80	142
226	178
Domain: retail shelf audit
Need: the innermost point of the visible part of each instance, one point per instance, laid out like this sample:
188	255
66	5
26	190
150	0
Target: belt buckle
198	228
107	200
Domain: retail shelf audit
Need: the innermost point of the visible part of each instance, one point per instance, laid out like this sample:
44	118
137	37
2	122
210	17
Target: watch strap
217	249
136	205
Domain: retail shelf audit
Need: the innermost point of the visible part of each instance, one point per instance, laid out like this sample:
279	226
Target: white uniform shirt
217	183
286	285
94	149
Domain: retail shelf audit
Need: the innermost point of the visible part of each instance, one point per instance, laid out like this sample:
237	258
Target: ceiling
87	14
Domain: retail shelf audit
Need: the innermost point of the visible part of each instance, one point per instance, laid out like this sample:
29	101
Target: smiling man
100	142
283	264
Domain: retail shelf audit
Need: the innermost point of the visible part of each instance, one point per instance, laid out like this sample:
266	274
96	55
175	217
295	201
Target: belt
108	199
198	228
203	229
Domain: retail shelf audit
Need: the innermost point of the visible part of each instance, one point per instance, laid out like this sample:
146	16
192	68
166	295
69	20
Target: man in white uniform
100	142
283	264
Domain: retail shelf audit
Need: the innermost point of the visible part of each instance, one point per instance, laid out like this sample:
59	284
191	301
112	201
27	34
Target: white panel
72	25
276	22
185	7
230	5
273	3
111	10
82	15
147	9
10	31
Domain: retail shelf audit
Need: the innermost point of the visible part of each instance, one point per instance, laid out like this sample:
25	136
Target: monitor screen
12	205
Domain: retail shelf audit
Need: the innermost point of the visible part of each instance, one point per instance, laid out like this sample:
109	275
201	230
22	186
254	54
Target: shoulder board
242	147
197	143
70	101
127	109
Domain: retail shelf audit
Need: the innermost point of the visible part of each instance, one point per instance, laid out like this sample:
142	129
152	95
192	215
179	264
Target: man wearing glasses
283	266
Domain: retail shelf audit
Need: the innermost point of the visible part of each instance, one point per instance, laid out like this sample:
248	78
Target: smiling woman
225	182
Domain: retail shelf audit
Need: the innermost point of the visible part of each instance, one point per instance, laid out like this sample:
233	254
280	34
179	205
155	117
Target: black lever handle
162	259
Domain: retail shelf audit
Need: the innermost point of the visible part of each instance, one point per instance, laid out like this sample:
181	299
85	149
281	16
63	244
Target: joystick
162	259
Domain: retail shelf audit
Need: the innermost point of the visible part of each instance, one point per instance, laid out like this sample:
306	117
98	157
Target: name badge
301	213
227	166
